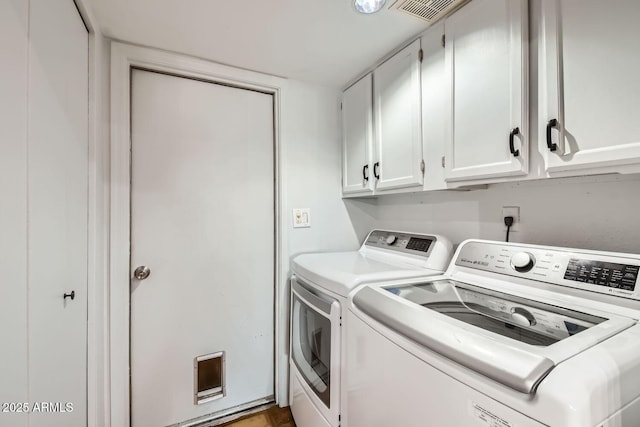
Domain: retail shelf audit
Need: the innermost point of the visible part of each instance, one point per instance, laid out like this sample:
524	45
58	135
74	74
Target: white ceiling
321	41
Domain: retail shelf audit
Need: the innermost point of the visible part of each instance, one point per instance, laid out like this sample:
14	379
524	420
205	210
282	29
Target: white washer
319	289
511	335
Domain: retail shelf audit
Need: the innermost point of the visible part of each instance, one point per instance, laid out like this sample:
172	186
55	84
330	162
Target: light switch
301	217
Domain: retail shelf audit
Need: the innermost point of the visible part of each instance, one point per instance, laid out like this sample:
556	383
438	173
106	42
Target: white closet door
13	207
589	83
57	209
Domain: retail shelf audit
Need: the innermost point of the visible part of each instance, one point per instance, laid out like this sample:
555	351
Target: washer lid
340	272
510	339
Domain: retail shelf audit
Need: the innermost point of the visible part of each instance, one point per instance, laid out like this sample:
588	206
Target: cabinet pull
551	145
365	173
514	132
376	173
71	295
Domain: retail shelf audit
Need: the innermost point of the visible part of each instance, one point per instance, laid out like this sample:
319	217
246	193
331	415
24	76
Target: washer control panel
609	274
417	244
602	272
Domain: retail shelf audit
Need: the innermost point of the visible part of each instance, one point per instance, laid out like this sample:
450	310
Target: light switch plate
301	217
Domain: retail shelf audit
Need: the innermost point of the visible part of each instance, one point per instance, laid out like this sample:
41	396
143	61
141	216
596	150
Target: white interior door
202	221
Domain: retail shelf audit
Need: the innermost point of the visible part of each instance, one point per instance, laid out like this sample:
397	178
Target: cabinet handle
71	295
550	145
365	173
514	132
376	166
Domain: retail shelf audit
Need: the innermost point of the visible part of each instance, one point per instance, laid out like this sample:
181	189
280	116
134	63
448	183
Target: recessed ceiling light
368	6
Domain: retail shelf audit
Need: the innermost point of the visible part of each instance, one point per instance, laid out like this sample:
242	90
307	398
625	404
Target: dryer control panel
416	244
602	272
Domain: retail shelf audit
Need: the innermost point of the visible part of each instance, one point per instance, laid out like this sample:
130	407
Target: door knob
141	272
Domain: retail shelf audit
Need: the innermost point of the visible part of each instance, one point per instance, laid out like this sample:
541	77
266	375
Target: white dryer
319	288
511	335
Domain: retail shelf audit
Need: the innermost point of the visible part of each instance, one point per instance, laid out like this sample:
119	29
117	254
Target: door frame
124	57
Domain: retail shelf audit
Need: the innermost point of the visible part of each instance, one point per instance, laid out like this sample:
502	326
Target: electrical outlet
301	218
513	211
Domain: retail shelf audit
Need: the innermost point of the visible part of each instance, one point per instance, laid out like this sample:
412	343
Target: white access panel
57	209
202	221
589	84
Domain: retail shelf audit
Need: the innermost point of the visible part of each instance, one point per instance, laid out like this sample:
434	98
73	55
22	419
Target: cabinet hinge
443	161
422	166
444	40
420	55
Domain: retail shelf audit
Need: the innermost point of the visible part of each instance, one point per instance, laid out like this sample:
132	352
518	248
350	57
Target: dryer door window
311	347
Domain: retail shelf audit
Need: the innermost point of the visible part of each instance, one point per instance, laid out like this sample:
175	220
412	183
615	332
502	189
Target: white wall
14	24
311	163
310	178
589	212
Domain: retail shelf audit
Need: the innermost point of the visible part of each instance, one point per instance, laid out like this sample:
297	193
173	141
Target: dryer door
315	323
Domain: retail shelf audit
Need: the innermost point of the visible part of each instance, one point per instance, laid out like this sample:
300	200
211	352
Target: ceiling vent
428	10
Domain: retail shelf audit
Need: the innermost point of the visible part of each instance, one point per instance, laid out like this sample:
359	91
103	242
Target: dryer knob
391	239
522	261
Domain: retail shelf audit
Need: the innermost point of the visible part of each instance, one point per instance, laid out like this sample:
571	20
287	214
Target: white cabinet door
433	107
589	85
486	60
57	212
397	118
357	130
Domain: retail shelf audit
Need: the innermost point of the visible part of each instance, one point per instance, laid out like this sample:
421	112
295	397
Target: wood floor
271	417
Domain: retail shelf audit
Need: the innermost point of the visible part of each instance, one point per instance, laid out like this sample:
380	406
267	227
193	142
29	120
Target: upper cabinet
486	63
381	128
452	109
397	117
589	88
357	138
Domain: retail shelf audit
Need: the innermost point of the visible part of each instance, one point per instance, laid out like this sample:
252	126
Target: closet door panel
57	188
